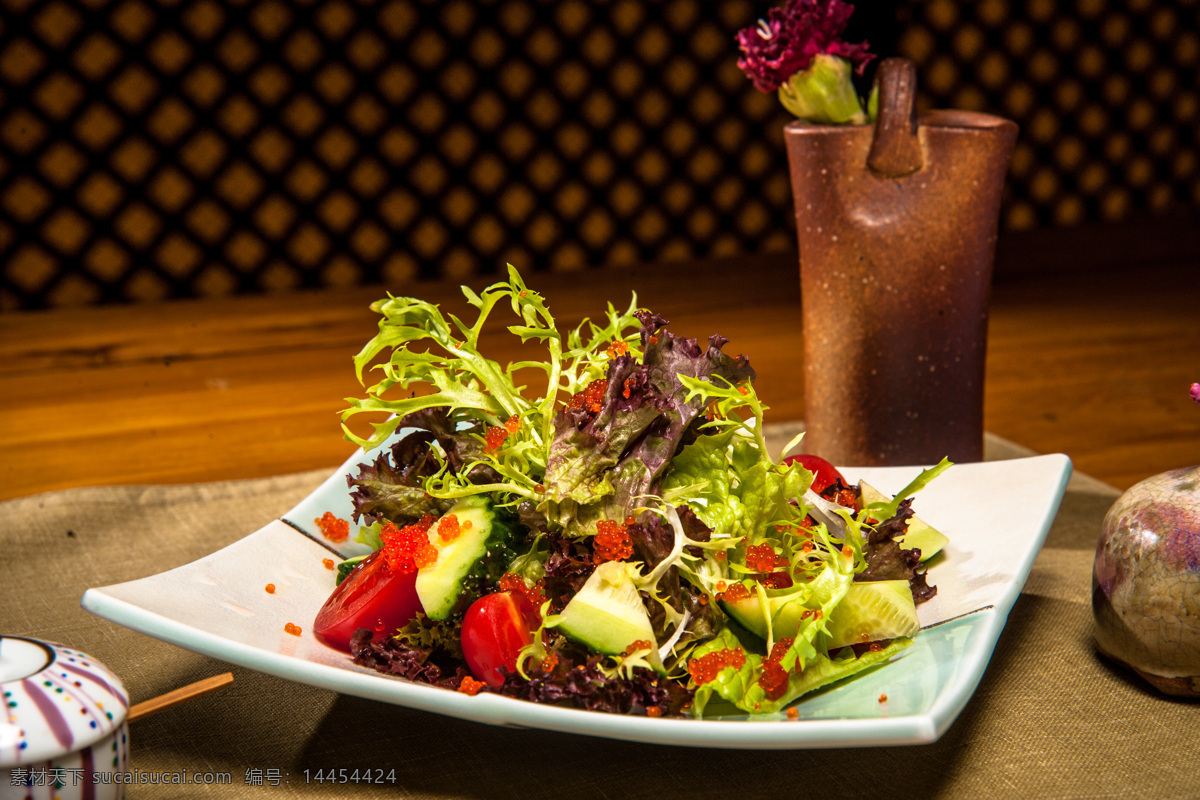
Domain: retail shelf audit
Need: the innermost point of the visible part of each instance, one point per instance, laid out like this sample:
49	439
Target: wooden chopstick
180	695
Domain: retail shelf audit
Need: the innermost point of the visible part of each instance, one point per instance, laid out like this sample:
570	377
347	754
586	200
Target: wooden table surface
1093	365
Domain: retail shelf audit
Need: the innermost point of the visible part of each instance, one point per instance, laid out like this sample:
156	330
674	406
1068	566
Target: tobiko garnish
612	541
408	549
706	667
333	528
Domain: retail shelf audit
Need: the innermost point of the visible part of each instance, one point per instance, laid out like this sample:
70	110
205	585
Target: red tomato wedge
372	596
494	630
823	472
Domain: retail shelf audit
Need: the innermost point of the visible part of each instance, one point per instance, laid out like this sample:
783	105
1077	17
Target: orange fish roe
294	630
640	644
328	562
763	558
846	497
653	340
270	587
535	594
807	547
494	438
332	528
470	686
617	348
847	551
706	667
408	549
590	398
883	698
448	528
793	713
774	679
736	592
780	649
612	542
776	580
653	711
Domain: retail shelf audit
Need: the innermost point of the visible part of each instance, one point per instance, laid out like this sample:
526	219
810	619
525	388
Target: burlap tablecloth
1050	719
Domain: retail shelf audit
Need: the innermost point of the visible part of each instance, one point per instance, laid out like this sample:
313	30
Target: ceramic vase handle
896	149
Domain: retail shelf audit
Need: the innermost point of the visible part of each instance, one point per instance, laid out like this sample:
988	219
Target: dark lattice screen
1107	94
160	148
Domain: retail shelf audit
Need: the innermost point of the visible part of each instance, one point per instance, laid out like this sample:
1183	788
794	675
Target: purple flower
1196	392
787	40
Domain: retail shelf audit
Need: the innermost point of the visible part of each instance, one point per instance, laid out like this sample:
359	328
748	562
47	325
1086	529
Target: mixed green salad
616	537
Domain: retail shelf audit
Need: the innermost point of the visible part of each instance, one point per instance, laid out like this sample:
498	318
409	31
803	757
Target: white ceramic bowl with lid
63	733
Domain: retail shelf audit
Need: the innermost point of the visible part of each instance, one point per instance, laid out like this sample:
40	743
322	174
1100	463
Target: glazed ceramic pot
64	733
1146	582
896	225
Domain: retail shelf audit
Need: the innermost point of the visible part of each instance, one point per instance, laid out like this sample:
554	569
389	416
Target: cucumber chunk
870	611
440	585
785	607
607	614
920	534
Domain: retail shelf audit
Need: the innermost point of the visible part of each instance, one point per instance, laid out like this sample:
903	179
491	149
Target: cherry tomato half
823	472
494	630
372	596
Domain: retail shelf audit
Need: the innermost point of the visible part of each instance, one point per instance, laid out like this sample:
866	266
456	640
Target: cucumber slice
920	533
782	609
440	585
870	611
607	614
750	613
785	606
346	567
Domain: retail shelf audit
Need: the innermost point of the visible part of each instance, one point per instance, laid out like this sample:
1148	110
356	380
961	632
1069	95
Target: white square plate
997	515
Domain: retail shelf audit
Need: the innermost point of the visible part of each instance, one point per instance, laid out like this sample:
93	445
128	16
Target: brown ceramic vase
897	224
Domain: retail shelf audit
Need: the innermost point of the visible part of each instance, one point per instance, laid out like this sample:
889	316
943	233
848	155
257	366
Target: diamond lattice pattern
171	148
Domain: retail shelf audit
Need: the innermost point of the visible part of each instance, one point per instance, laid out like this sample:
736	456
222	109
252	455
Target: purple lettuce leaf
392	486
584	685
887	560
567	568
612	459
392	656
